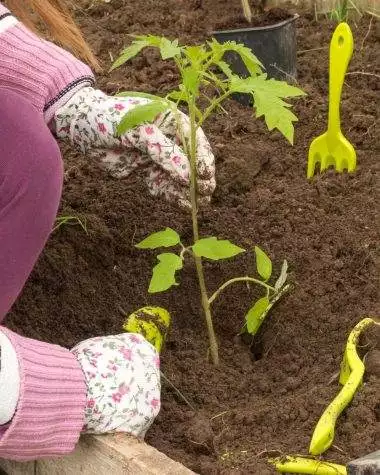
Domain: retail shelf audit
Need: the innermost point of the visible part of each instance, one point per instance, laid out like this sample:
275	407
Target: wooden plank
115	454
15	468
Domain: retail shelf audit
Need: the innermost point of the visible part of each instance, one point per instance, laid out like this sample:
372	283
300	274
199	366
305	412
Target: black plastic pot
274	45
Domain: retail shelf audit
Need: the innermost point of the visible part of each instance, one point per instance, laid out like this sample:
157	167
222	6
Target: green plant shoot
69	221
341	12
202	68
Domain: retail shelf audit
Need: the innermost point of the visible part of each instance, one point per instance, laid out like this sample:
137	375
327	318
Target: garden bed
256	403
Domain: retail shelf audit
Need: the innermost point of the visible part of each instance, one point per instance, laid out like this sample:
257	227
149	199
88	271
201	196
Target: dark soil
255	404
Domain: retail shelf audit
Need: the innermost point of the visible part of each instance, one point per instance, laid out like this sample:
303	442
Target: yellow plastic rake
332	148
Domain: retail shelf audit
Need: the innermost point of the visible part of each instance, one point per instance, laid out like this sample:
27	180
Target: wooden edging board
115	454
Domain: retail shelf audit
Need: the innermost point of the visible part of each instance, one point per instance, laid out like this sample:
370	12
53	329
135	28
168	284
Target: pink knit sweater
50	411
45	74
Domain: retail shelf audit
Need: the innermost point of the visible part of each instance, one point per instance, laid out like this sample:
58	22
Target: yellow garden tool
351	375
308	466
332	148
150	322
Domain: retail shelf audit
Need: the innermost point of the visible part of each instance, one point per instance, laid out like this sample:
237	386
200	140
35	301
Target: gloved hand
122	375
90	120
123	383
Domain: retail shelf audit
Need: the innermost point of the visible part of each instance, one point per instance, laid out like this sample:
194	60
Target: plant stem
246	10
213	106
194	216
239	279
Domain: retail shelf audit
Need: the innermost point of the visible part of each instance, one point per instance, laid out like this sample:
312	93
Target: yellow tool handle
352	371
309	466
341	49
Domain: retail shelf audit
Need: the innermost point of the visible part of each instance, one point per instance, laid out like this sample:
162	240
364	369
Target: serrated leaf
251	62
140	115
283	276
215	249
263	263
254	317
163	276
196	54
177	96
225	68
129	53
268	95
166	238
169	49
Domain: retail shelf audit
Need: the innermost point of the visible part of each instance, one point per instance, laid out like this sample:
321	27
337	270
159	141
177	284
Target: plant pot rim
259	28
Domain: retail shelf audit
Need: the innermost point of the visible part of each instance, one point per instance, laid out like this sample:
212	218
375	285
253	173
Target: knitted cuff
50	411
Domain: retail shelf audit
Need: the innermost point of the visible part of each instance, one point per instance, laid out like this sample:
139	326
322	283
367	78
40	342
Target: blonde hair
59	23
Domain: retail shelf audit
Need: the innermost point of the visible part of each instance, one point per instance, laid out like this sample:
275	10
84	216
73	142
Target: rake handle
341	49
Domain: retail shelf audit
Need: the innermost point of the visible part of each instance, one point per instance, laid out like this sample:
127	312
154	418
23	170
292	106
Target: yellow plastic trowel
332	148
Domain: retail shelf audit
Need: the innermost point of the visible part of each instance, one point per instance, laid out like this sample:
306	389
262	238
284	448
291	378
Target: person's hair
55	16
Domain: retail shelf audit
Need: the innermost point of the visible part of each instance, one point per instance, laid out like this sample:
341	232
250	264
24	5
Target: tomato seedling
202	68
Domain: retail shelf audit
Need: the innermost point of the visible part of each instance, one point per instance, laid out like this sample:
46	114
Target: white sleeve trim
9	379
7	23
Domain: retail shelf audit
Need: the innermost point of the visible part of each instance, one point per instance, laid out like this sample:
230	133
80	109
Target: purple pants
31	175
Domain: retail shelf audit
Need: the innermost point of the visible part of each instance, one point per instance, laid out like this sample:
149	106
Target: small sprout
69	221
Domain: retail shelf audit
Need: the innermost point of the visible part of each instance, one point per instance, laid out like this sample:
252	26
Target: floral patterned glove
122	374
90	120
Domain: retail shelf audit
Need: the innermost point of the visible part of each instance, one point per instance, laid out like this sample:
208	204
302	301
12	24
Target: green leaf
144	95
196	54
190	78
238	84
177	96
263	263
129	53
256	314
163	276
215	249
225	68
283	276
251	62
169	49
268	95
166	238
141	114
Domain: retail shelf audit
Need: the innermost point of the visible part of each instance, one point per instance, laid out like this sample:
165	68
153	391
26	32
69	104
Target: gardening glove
122	374
90	120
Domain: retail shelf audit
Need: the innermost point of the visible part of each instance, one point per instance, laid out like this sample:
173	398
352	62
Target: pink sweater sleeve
45	74
50	411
